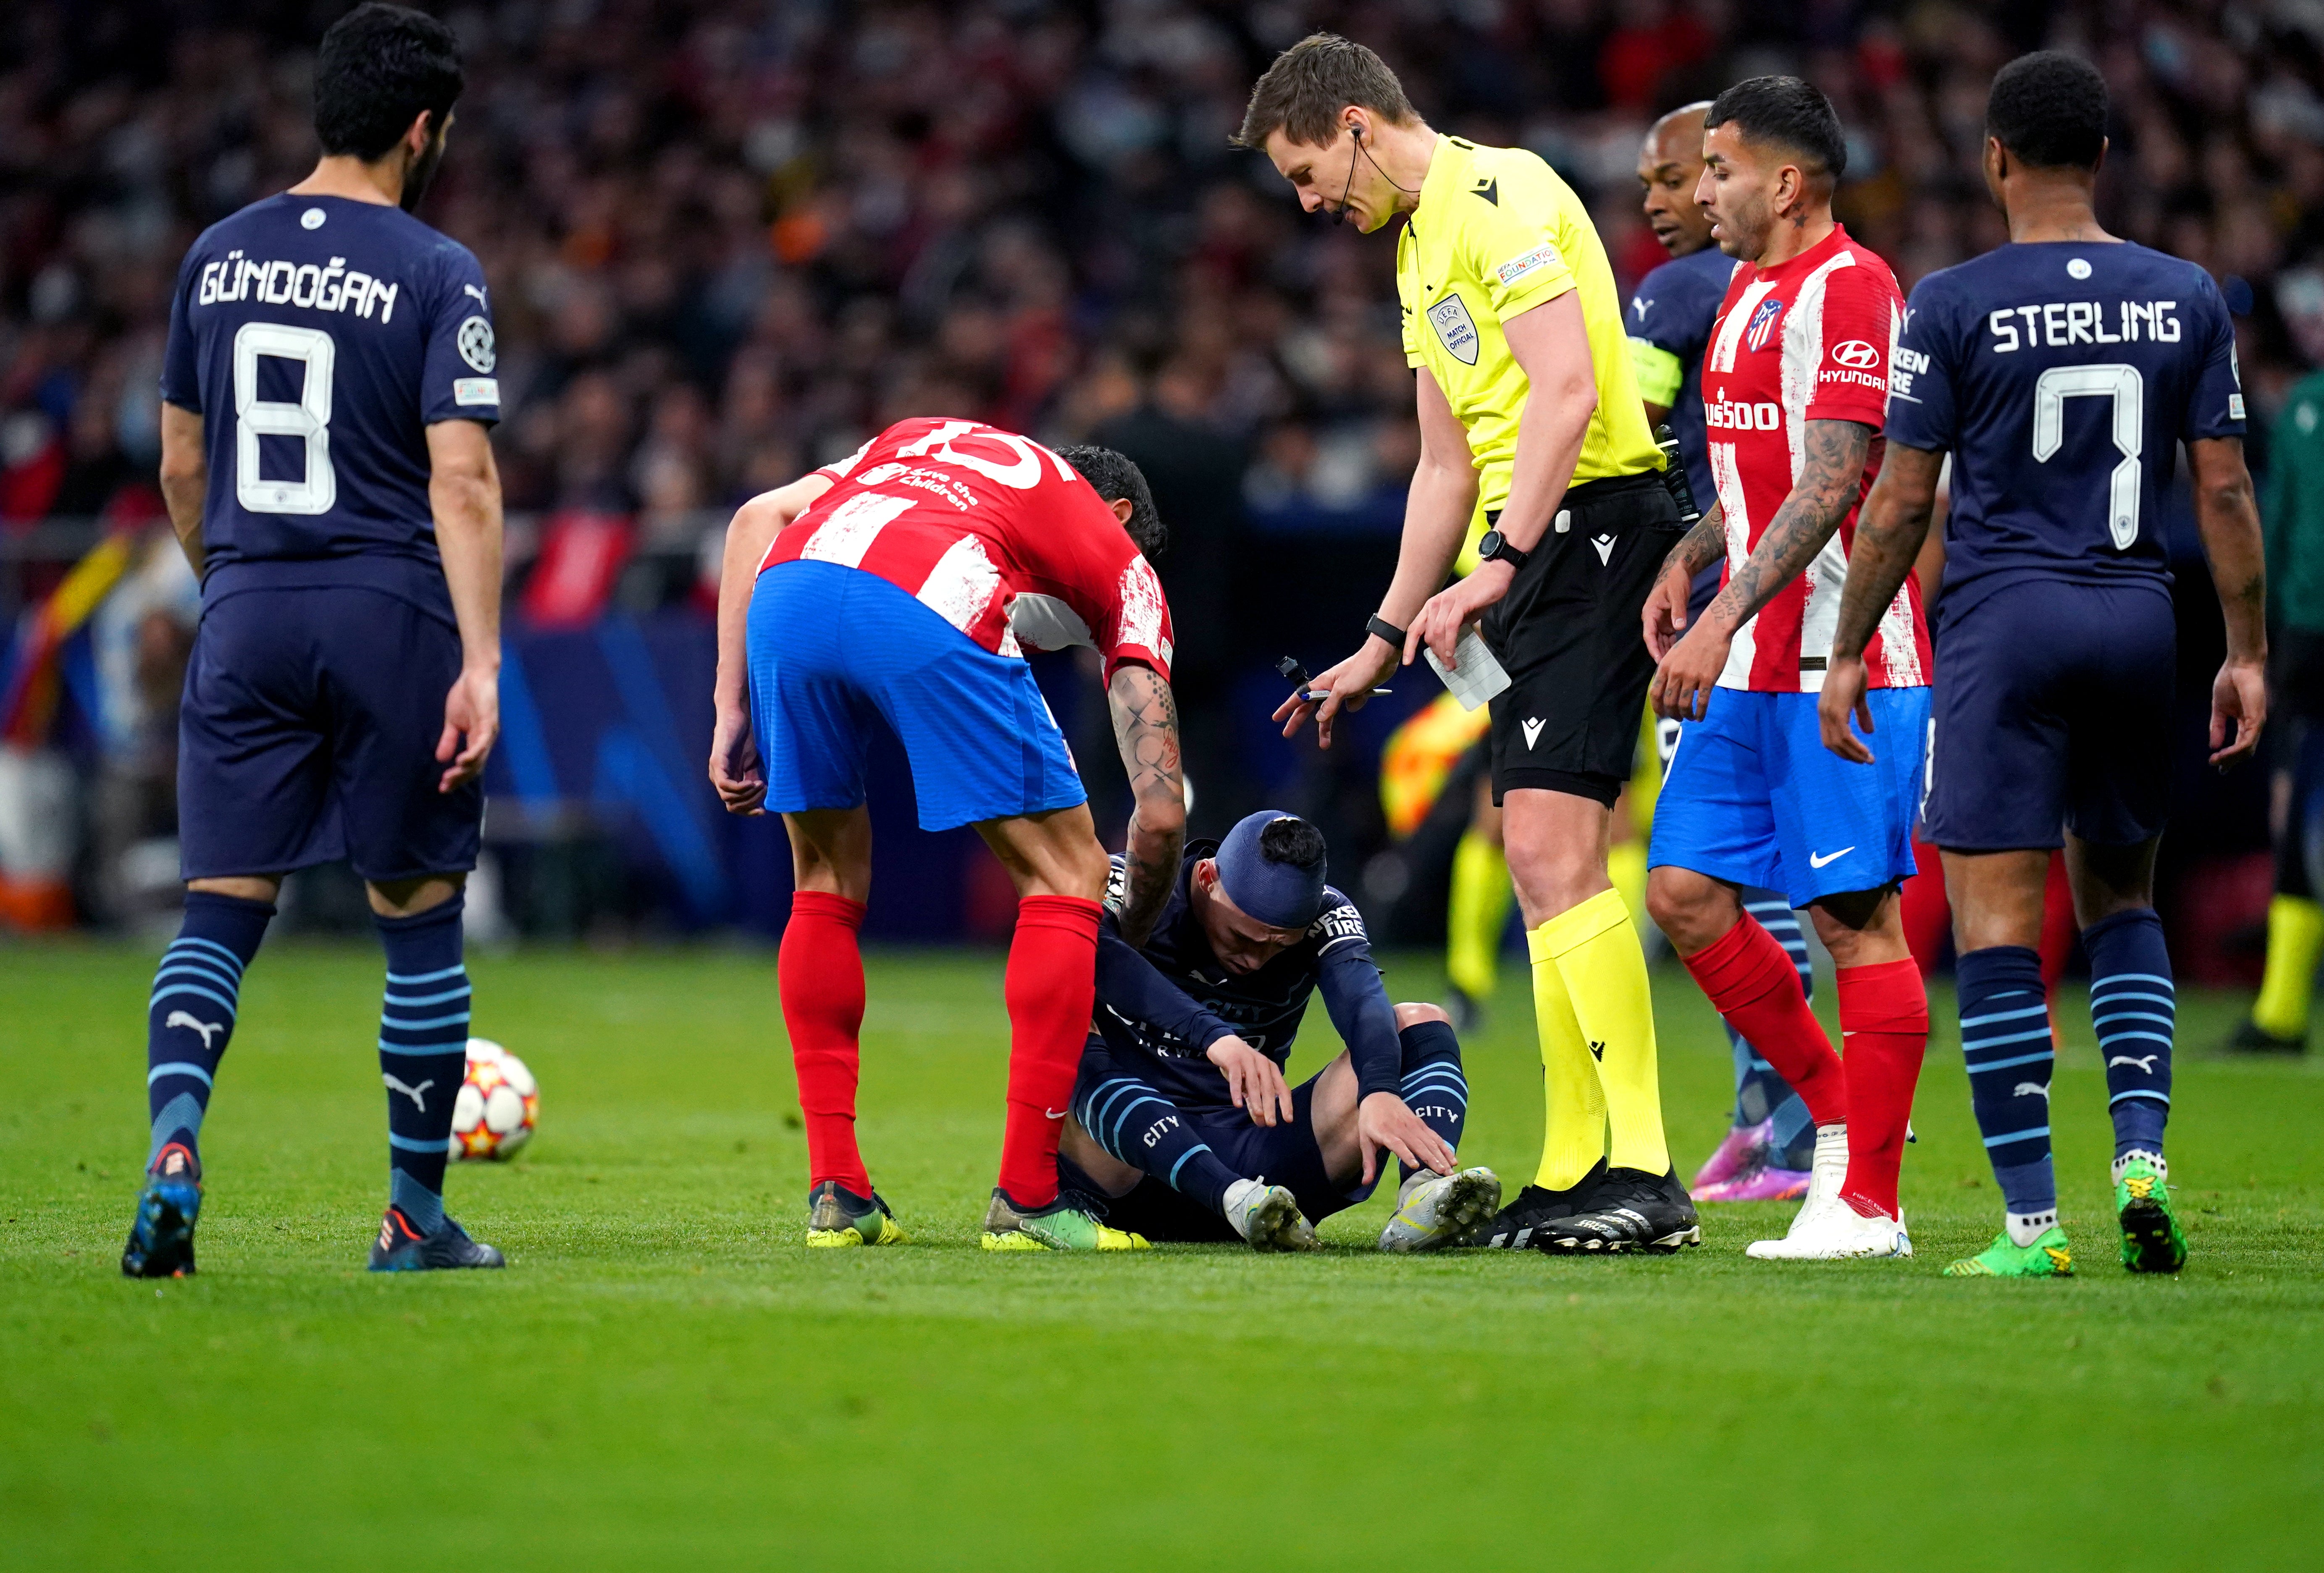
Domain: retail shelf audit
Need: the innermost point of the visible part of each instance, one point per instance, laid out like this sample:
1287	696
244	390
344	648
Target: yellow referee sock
1476	910
1626	865
1573	1125
1597	954
2295	939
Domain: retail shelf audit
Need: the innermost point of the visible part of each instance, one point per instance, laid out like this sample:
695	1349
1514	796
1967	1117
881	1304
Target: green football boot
2046	1257
836	1216
2152	1240
1058	1226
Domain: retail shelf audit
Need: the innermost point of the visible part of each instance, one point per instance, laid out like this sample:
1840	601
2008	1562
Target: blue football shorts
1752	796
308	733
2053	712
834	651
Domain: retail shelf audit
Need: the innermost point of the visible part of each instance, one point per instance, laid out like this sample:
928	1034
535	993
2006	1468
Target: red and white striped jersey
1807	339
998	535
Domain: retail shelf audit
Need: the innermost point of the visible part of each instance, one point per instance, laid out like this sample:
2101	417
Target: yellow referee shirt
1496	233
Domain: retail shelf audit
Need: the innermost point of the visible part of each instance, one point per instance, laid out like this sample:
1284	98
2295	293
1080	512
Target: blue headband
1279	895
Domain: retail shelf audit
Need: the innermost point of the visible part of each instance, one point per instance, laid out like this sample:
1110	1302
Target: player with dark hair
1793	387
1765	1154
2060	371
904	584
1181	1115
1528	410
326	395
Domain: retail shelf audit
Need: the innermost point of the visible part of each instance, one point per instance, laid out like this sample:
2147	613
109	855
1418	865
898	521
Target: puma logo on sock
187	1018
393	1085
2144	1062
2022	1088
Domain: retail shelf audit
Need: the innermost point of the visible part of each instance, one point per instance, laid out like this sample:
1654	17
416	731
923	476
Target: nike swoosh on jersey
1818	859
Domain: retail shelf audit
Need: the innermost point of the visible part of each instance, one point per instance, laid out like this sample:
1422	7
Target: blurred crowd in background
729	239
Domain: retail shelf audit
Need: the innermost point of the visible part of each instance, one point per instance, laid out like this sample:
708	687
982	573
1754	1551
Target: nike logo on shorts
1818	859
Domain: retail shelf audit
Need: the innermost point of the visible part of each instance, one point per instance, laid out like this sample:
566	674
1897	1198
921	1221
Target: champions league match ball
498	1106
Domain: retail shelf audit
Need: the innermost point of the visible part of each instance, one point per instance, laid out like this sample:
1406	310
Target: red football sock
1883	1019
1051	988
1752	981
820	973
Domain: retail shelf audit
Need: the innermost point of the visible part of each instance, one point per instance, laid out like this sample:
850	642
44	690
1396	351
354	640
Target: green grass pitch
665	1378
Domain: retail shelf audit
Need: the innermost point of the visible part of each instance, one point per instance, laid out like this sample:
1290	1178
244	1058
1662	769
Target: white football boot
1435	1210
1827	1228
1267	1216
1837	1234
1827	1172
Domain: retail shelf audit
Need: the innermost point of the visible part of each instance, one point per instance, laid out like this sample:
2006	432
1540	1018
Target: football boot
161	1235
1436	1210
401	1248
836	1216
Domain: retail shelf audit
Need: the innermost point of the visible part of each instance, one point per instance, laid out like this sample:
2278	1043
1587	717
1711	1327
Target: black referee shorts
1568	634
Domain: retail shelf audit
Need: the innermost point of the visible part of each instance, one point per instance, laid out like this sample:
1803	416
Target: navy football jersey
2061	376
319	338
1674	310
1263	1007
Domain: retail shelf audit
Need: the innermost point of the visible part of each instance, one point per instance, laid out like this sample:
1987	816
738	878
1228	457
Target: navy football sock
423	1053
1791	1138
1135	1122
2134	1007
1760	1090
2005	1018
189	1021
1433	1085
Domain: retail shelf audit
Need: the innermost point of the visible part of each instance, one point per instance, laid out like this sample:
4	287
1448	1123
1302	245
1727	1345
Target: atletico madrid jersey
1000	536
1810	338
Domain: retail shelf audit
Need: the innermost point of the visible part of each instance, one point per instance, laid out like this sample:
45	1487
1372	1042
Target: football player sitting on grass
1181	1120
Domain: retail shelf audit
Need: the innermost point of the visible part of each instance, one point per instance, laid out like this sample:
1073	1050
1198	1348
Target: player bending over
1181	1116
903	585
1528	406
1793	387
2061	371
324	399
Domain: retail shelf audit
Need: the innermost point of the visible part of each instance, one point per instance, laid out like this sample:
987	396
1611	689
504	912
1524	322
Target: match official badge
1455	329
1762	323
475	340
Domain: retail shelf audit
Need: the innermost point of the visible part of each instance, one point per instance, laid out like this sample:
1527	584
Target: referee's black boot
1632	1210
1521	1223
2251	1038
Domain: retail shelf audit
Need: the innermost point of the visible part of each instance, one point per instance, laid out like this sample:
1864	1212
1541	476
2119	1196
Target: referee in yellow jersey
1529	410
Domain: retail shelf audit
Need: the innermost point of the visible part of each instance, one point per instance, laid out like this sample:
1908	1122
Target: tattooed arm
1832	469
1666	610
1888	537
2229	524
1146	727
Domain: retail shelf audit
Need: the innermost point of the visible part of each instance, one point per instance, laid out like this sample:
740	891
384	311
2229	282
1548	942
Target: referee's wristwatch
1493	545
1378	627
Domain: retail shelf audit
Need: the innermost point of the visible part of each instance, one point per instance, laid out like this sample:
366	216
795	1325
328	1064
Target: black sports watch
1381	627
1494	546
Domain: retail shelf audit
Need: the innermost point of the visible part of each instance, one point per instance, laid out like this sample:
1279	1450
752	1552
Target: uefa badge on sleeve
475	342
